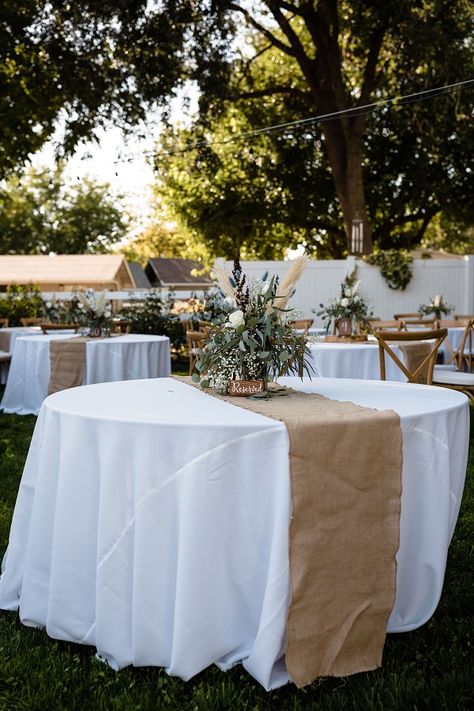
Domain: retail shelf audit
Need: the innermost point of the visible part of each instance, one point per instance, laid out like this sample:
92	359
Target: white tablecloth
152	521
353	360
8	336
126	357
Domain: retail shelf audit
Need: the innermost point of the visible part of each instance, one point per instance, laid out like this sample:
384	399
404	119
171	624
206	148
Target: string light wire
362	110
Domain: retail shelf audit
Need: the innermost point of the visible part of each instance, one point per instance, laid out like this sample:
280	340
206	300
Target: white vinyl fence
321	280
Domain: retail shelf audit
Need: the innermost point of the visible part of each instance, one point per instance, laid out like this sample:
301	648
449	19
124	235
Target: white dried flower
236	318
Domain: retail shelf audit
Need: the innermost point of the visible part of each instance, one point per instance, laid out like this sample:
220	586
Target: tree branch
271	91
285	26
420	214
368	81
264	30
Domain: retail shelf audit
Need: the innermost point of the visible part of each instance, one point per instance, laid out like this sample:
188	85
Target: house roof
176	273
65	269
139	277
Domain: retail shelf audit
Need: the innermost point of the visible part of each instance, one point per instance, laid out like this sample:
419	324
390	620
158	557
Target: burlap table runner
345	464
414	354
68	361
4	340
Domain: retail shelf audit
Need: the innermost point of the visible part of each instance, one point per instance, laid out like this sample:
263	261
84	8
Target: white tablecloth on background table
8	336
353	360
152	521
126	357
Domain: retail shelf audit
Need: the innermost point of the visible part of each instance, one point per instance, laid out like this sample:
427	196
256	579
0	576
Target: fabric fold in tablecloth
345	465
68	362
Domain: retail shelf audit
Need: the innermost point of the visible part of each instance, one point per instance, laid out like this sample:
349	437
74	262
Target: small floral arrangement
62	311
251	337
436	307
350	305
94	312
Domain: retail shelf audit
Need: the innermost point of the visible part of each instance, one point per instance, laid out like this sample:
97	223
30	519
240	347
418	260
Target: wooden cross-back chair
3	322
122	326
381	325
302	324
205	327
403	317
423	363
463	317
195	340
30	321
47	327
427	322
463	356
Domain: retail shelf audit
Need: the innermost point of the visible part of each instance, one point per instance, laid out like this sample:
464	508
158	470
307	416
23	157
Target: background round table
126	357
358	360
152	521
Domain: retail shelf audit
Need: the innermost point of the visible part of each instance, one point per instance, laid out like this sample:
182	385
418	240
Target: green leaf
284	355
195	377
264	355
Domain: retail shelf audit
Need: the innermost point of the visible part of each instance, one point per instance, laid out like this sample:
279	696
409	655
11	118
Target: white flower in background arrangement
344	302
236	319
436	307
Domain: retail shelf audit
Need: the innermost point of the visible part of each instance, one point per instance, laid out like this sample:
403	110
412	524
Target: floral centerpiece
436	307
62	311
95	313
350	311
251	338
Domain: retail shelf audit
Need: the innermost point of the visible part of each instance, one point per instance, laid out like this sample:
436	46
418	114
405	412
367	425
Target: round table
353	360
126	357
141	503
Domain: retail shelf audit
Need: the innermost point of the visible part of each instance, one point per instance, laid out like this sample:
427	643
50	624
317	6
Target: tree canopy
42	213
92	61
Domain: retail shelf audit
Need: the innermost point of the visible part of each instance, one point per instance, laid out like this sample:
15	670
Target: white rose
437	300
357	297
236	318
107	313
348	292
48	304
344	303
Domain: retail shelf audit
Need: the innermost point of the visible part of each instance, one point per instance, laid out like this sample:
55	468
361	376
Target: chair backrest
302	324
463	317
380	325
188	324
46	327
403	317
464	353
122	326
195	340
205	327
3	322
426	322
31	321
450	323
420	361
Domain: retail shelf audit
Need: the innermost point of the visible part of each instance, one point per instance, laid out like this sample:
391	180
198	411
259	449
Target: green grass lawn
429	668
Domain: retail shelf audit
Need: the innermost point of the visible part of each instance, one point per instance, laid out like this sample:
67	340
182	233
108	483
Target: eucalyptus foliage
251	338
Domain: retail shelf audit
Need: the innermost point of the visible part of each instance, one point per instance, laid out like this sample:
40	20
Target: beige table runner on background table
345	464
68	362
4	340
